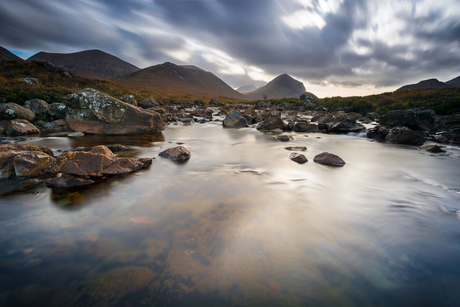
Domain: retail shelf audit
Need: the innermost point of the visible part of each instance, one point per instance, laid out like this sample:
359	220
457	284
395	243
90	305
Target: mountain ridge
6	55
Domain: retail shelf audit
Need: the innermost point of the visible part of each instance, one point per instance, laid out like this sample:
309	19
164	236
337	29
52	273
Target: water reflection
242	225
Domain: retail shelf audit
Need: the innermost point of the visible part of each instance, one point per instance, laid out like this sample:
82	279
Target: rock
450	123
299	158
372	116
92	112
404	135
130	99
117	147
31	163
329	159
179	153
290	126
414	119
378	133
31	81
75	134
20	147
82	163
57	110
39	107
296	148
270	123
101	149
213	102
149	103
58	123
9	111
345	126
68	181
432	148
275	131
18	127
304	126
235	120
261	105
198	102
284	138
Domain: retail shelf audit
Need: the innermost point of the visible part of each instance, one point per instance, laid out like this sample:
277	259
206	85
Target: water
240	224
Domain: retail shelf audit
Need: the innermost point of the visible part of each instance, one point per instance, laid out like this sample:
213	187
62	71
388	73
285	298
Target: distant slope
6	55
93	64
282	86
454	82
246	89
430	83
173	80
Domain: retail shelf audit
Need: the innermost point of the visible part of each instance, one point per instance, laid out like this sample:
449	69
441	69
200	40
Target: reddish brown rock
18	127
18	147
31	163
101	149
329	159
179	153
299	158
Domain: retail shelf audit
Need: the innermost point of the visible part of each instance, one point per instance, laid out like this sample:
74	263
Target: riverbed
240	224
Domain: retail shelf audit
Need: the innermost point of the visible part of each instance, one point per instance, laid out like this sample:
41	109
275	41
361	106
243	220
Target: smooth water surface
240	224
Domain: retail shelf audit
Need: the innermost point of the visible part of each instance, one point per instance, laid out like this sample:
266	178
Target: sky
335	47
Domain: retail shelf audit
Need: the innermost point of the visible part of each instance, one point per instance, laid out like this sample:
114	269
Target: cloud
328	44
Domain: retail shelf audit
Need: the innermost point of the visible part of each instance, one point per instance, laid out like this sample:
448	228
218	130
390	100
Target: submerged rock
235	120
93	112
179	153
329	159
299	158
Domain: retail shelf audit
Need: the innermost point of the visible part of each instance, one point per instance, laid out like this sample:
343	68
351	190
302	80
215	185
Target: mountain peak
283	86
6	55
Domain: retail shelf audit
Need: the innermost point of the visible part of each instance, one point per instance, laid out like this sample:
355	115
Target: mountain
6	55
283	86
171	80
93	64
246	89
430	83
454	82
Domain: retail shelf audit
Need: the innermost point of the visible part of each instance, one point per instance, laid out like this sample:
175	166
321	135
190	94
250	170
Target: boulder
261	105
39	107
378	133
450	123
299	158
432	148
82	163
304	126
284	138
235	120
198	102
18	127
179	153
372	116
414	119
329	159
57	110
9	111
404	135
31	163
92	112
213	102
19	147
271	123
149	103
345	126
67	181
130	99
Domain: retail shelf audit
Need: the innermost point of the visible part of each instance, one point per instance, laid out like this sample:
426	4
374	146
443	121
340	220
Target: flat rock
93	112
179	153
296	148
76	134
329	159
299	158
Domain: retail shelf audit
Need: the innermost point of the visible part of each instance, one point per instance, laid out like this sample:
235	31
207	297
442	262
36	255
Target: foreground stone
271	123
18	127
235	120
299	158
179	153
82	163
329	159
404	135
93	112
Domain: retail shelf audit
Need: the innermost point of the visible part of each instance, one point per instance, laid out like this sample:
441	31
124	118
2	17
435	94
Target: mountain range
91	64
432	83
283	86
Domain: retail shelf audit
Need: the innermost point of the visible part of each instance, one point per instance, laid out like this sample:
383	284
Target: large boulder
345	126
404	135
148	103
93	112
82	163
304	126
57	110
39	107
9	111
179	154
18	127
270	123
235	120
414	119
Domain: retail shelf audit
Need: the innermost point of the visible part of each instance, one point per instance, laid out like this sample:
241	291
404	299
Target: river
240	224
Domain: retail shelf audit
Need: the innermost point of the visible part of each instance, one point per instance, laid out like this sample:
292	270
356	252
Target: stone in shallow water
296	148
75	134
299	158
179	153
284	138
432	148
329	159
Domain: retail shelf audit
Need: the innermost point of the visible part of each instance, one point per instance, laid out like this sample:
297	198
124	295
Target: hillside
430	83
6	55
93	64
173	81
283	86
454	82
246	89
